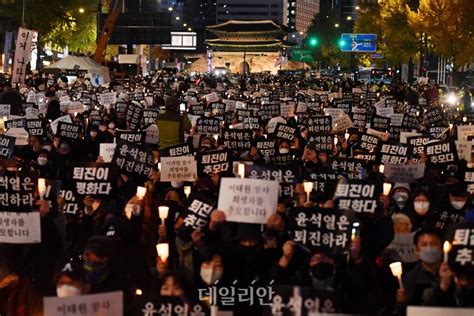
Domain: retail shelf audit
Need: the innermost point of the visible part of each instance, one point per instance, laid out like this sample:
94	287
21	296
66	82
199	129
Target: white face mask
66	290
421	208
42	161
177	184
283	151
458	204
211	275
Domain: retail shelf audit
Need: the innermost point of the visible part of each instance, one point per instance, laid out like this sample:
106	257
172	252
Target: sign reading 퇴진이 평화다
182	168
20	228
248	200
95	179
101	304
358	195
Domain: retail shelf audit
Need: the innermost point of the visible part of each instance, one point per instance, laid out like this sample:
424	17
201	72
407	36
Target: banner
156	305
248	200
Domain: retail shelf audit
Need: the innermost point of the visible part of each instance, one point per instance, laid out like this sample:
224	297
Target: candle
187	190
335	140
450	126
216	136
163	212
308	187
159	166
41	187
346	136
397	271
163	251
464	119
241	170
141	191
386	188
381	168
446	249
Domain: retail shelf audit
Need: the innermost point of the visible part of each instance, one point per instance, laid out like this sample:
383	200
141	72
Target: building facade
275	10
301	14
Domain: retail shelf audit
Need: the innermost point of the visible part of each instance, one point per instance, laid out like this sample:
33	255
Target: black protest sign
237	138
394	153
134	115
463	247
371	95
15	123
440	153
130	136
314	107
434	116
328	230
345	106
207	125
52	189
69	131
291	174
289	301
121	109
139	96
252	122
197	109
35	127
95	117
197	212
17	192
359	117
395	131
133	160
380	123
217	108
155	304
368	143
7	146
411	121
177	151
269	111
320	142
213	161
443	219
350	167
95	179
282	160
417	144
266	148
366	157
285	132
360	196
347	96
319	124
150	116
439	132
72	205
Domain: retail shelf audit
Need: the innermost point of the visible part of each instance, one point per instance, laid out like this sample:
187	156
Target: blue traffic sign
365	43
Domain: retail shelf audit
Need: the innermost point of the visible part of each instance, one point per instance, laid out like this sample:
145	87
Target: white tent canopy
98	73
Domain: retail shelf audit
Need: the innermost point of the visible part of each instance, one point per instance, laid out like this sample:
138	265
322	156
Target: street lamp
81	10
336	25
184	24
177	18
357	8
189	29
170	9
349	18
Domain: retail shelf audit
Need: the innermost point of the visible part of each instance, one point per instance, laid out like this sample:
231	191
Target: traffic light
342	43
313	41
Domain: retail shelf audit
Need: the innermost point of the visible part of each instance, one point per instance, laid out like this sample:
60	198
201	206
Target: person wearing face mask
70	280
310	162
424	276
104	135
212	270
90	147
43	165
421	214
400	198
451	210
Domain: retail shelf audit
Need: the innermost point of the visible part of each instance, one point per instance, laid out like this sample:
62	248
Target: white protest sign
403	244
383	136
5	110
20	228
31	97
64	98
464	149
438	311
302	107
335	95
405	135
240	105
106	151
386	112
192	101
334	112
404	173
107	98
464	131
248	200
102	304
31	113
230	105
357	90
212	97
75	107
287	109
396	119
182	168
20	134
380	103
152	135
54	124
341	123
25	44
